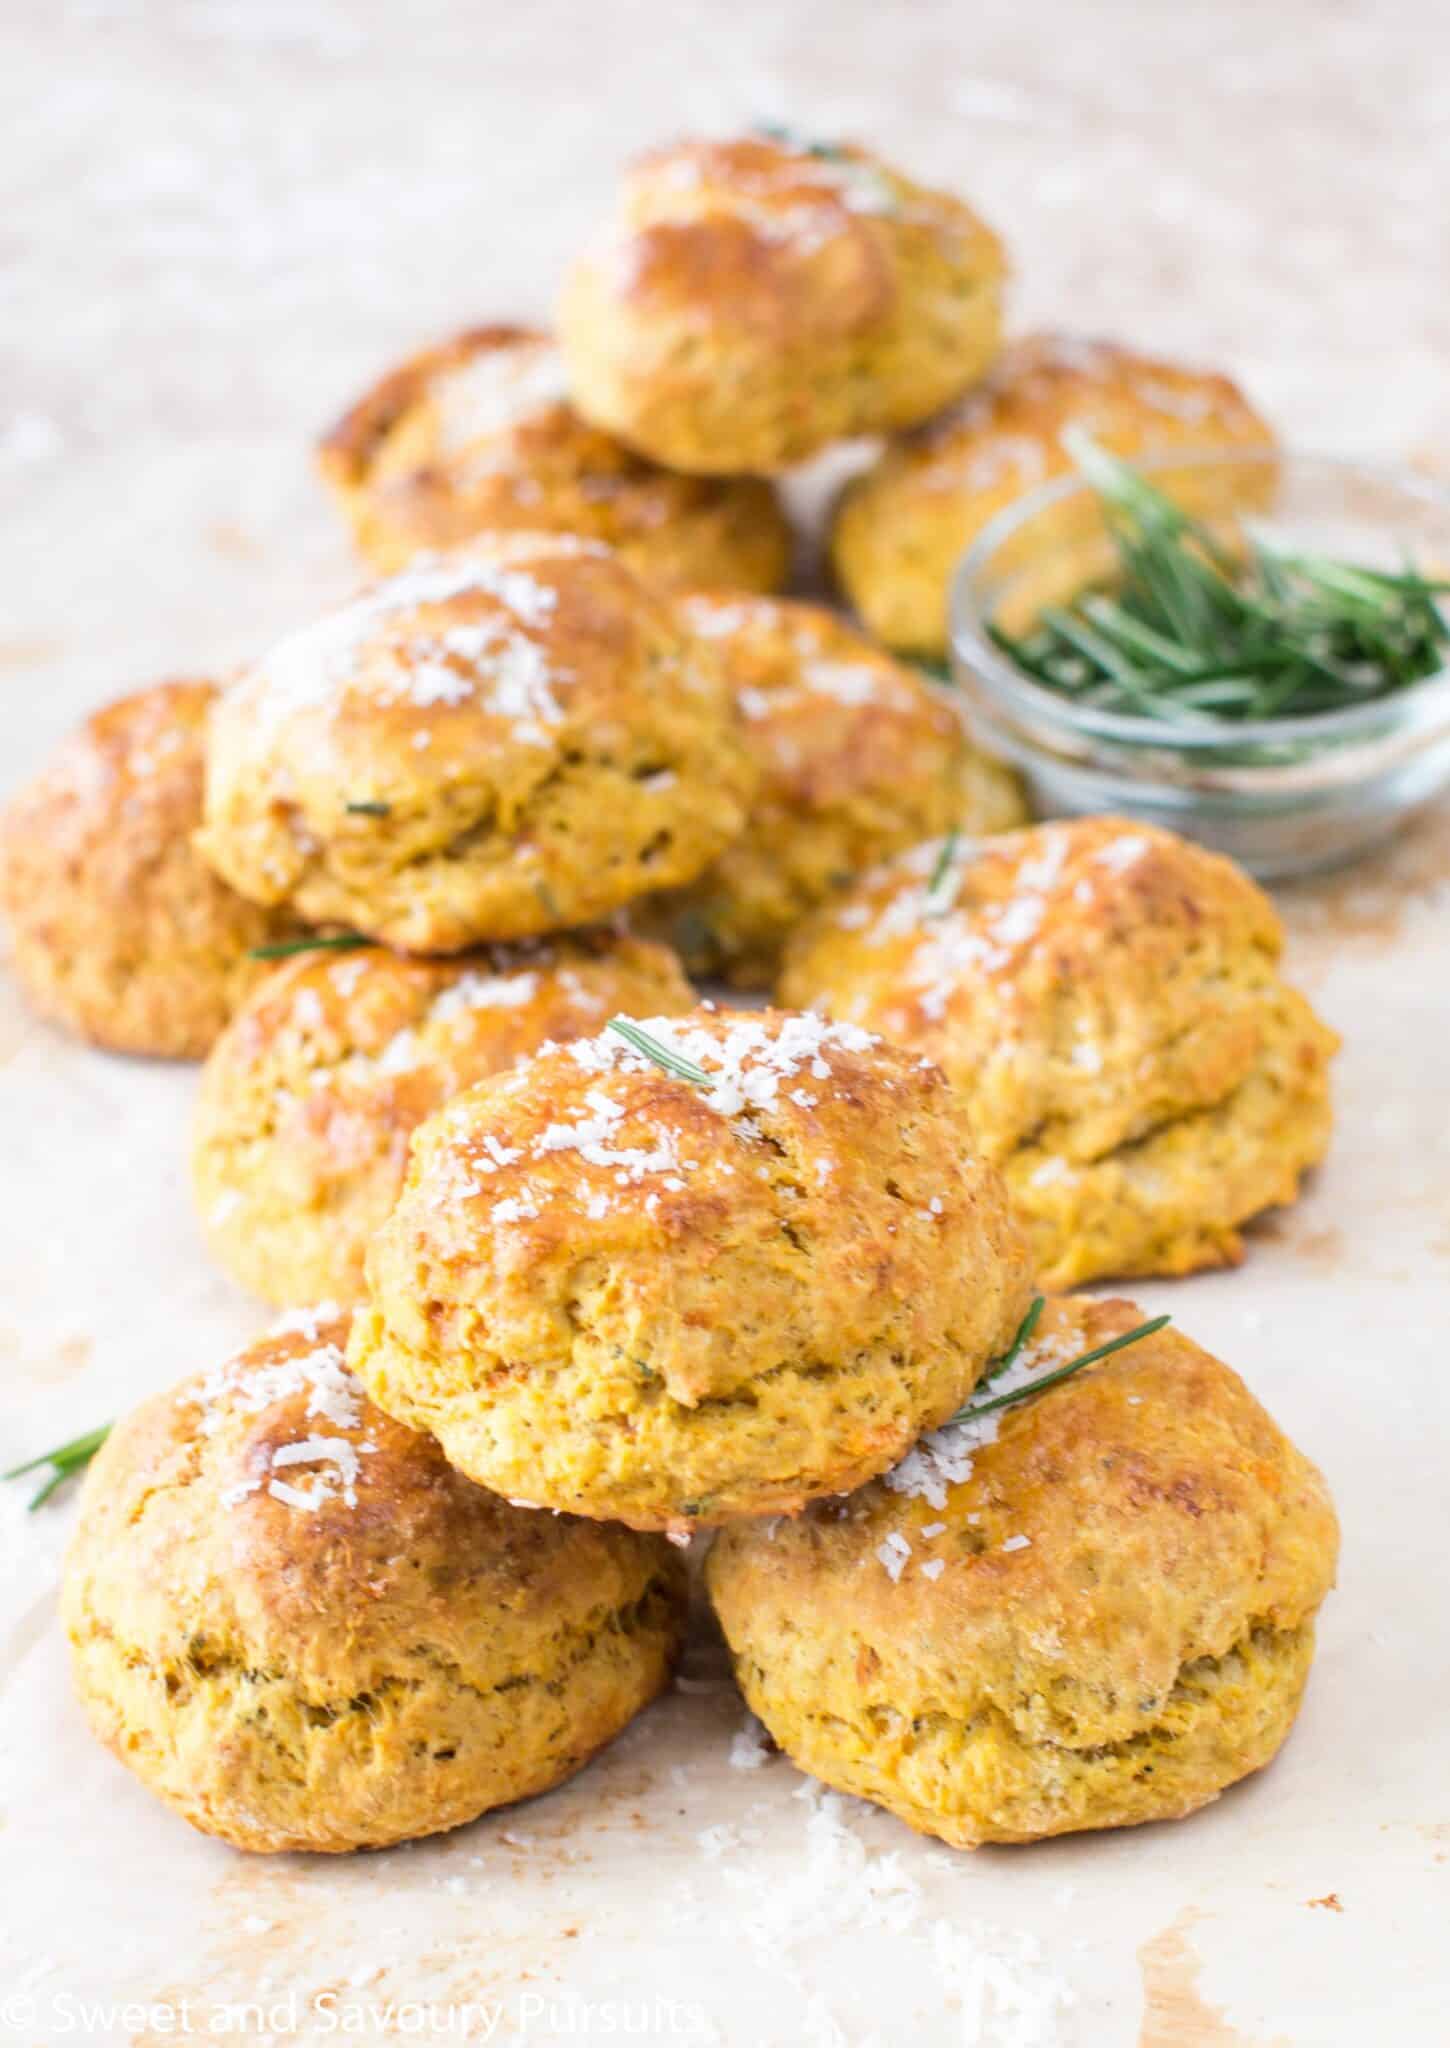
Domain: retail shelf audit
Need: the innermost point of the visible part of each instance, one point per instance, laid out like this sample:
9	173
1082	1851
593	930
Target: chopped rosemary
1194	632
872	183
315	942
683	1069
939	897
791	138
1020	1341
64	1461
370	807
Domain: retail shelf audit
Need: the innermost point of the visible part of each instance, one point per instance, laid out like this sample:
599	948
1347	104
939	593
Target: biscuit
1107	998
119	932
1091	1609
511	739
302	1630
610	1290
859	756
309	1099
477	435
903	525
751	301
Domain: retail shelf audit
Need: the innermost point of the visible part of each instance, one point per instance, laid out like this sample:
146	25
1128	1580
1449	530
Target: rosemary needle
315	942
64	1460
938	896
672	1062
1025	1328
1015	1349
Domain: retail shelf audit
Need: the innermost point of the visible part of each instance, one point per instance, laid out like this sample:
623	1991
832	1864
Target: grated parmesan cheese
1007	1995
852	683
491	660
895	1554
1121	854
749	1746
498	389
746	1066
332	1394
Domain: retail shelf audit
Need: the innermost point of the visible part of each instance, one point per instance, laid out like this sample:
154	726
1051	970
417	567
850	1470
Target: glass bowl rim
970	644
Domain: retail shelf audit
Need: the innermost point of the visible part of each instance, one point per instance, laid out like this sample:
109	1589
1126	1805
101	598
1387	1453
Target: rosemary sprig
672	1062
1193	632
315	942
369	807
1020	1341
64	1461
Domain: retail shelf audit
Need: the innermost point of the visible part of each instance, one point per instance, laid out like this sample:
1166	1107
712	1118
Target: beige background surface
216	218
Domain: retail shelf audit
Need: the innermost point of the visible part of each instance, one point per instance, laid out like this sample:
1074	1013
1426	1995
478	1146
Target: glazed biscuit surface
1090	1609
1108	999
859	757
610	1289
752	300
477	435
303	1630
119	931
903	525
309	1099
511	739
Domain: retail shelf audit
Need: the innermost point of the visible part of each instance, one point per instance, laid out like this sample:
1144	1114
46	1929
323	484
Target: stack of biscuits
573	1265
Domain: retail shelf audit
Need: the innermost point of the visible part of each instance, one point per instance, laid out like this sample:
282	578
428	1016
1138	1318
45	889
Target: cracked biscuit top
119	931
751	300
667	1298
304	1630
1091	1608
1107	997
514	738
859	755
902	526
308	1102
478	435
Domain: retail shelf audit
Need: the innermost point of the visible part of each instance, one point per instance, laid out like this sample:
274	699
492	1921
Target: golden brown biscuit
859	756
611	1290
309	1099
511	739
1107	998
478	436
1092	1609
903	525
302	1630
751	301
118	931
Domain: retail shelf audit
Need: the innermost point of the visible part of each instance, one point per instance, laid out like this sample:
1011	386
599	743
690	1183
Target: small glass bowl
1284	795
